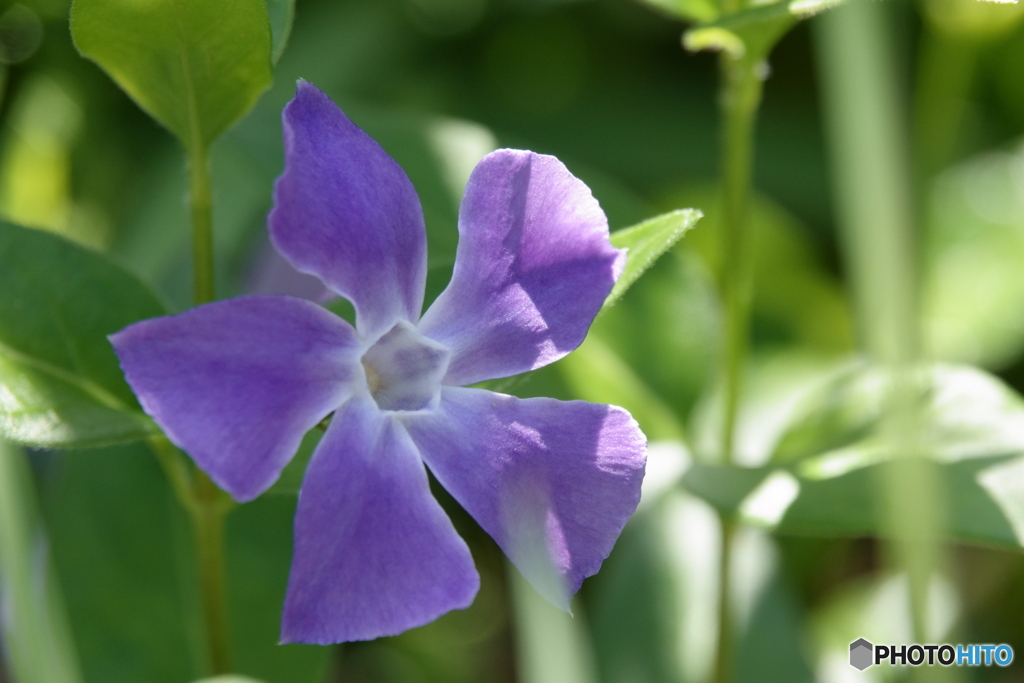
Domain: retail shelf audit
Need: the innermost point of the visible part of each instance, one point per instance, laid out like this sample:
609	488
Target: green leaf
282	14
973	290
37	641
753	32
124	550
651	604
796	299
687	10
646	243
828	462
723	487
60	384
194	65
597	374
551	646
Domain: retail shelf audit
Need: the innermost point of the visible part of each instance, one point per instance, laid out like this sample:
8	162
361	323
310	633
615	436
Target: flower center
404	369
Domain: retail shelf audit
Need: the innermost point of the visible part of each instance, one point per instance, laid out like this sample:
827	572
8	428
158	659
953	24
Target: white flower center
404	369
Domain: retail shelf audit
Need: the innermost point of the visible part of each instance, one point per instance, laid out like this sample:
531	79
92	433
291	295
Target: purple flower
237	383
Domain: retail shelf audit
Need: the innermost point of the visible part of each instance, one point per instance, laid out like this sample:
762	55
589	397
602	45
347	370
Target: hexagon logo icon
861	654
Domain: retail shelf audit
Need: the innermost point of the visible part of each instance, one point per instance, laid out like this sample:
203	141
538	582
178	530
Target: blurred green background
605	86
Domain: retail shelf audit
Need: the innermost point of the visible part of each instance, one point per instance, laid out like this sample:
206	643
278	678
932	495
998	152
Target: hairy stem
740	96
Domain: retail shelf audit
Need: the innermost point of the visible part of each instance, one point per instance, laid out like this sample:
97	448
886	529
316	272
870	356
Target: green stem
740	98
208	520
724	652
201	204
209	504
946	70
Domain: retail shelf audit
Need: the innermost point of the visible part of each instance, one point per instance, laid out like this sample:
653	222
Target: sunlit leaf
829	460
974	19
553	647
194	65
646	243
688	10
753	32
973	293
60	384
654	604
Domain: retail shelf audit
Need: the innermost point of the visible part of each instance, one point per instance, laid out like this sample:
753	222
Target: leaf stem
740	97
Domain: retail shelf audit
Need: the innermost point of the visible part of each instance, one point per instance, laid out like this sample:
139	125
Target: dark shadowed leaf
282	13
124	551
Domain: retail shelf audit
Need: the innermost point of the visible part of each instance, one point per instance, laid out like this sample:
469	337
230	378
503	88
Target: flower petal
552	482
347	213
532	269
237	383
375	554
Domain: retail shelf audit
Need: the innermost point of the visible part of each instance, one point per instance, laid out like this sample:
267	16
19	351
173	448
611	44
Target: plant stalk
740	97
209	503
201	206
873	187
208	521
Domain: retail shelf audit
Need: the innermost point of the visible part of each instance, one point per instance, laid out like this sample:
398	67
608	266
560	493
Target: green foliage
831	450
646	243
973	294
595	373
795	299
195	66
124	553
656	593
37	643
60	378
687	10
282	14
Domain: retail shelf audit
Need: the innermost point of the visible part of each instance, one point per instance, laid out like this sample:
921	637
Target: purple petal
533	267
552	482
347	213
237	383
375	554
